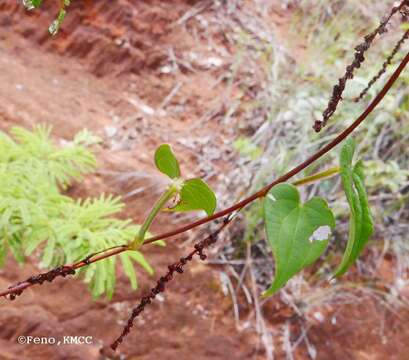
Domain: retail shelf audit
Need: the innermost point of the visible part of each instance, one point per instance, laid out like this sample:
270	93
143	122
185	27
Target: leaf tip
166	162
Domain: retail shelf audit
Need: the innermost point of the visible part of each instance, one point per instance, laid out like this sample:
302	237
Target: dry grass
283	86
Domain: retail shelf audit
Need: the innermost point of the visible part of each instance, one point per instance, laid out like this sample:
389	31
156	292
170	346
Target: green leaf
166	161
34	215
100	279
297	233
89	274
129	270
110	281
32	4
56	24
404	26
48	253
3	253
360	223
245	147
140	259
196	195
87	138
17	249
161	243
36	3
128	266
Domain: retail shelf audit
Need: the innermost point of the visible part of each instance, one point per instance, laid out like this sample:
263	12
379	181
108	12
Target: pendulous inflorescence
177	267
387	62
359	58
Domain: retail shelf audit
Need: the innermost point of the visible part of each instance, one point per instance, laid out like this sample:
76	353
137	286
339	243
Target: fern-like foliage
35	215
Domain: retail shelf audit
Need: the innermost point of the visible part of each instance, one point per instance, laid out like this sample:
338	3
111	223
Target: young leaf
129	270
17	248
361	224
100	279
161	243
37	3
140	259
110	281
34	214
297	233
31	4
166	161
2	253
196	195
128	266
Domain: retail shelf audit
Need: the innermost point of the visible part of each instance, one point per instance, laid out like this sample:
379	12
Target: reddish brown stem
261	193
62	271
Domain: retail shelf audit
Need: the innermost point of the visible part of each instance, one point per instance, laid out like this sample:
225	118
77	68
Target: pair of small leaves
195	194
298	233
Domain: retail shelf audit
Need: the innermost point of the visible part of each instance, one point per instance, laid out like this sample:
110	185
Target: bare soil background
139	73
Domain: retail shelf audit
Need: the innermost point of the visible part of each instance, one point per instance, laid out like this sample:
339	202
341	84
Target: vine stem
259	194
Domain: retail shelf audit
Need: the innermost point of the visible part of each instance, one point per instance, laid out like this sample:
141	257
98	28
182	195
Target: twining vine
282	201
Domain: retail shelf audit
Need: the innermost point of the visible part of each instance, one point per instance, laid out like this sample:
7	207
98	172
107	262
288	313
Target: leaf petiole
318	176
159	205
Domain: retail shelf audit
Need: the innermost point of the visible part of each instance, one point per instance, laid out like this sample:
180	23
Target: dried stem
161	283
359	58
17	289
325	149
387	62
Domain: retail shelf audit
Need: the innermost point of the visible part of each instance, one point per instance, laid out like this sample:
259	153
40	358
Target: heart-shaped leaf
360	223
166	161
297	233
196	195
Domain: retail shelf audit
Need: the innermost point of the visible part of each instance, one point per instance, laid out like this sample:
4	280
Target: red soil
111	62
